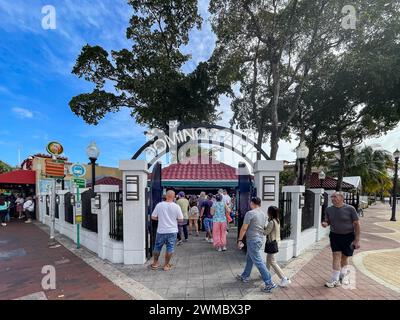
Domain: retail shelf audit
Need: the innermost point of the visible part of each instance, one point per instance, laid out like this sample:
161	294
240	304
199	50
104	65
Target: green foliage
148	77
4	167
371	165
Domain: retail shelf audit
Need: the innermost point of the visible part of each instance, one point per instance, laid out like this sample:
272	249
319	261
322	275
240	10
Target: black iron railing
89	220
69	209
352	199
307	216
116	216
285	208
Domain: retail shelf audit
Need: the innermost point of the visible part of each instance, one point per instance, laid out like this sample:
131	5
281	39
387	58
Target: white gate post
103	219
296	213
266	178
321	232
61	210
134	183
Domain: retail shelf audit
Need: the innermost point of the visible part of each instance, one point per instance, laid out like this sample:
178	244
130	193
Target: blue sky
36	83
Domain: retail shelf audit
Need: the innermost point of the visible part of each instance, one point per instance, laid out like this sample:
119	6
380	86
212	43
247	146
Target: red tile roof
18	177
212	171
328	184
108	181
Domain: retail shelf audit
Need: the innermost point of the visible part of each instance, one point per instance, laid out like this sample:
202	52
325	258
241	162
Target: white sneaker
206	239
285	282
345	279
333	284
210	240
28	221
219	249
223	248
4	224
179	243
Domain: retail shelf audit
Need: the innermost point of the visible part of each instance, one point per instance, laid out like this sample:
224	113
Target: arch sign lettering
182	140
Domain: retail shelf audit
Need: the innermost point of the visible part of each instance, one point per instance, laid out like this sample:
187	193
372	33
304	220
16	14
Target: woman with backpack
272	230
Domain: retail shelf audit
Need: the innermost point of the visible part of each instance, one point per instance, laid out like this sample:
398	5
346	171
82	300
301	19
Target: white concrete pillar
61	211
266	178
319	194
296	213
103	217
330	192
134	210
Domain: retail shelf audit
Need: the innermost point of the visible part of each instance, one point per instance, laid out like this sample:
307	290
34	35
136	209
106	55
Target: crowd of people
174	215
16	206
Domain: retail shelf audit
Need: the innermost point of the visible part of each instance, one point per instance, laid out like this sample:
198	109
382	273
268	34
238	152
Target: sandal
154	267
167	267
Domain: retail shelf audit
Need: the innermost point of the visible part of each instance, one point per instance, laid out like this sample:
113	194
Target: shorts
208	224
168	239
342	243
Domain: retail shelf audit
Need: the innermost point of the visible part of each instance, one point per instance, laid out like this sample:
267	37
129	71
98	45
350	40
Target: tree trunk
259	142
275	136
341	163
310	159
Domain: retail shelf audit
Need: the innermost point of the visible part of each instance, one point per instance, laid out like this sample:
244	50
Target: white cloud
23	113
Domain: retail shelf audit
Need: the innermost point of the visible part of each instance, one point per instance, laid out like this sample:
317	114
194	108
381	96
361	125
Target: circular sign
78	170
55	148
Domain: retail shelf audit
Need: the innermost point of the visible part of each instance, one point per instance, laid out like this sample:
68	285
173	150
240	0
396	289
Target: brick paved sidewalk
24	251
368	282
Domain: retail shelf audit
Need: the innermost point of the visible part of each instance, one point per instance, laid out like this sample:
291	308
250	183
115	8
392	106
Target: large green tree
148	77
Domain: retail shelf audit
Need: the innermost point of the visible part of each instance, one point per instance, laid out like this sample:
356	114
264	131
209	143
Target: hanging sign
55	148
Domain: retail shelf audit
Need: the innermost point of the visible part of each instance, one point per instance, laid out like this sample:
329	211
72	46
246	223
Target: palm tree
372	165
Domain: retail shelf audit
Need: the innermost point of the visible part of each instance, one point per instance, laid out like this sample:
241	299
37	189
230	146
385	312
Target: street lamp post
396	155
93	152
302	154
321	177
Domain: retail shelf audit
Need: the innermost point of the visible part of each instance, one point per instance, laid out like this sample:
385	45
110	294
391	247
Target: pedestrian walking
4	205
253	227
202	198
344	238
193	216
205	215
183	203
273	233
219	211
29	207
19	203
168	214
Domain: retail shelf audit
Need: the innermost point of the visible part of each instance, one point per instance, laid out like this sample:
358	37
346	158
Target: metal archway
205	141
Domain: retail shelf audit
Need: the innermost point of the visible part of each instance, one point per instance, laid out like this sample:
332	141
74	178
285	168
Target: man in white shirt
227	199
168	214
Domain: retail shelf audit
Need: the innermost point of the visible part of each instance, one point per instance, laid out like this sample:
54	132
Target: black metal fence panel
89	220
47	200
285	208
116	216
307	217
69	209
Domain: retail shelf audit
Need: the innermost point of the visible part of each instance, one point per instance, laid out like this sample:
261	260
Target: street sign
55	148
78	214
80	183
78	170
54	168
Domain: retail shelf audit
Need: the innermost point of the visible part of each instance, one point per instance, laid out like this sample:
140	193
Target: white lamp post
93	153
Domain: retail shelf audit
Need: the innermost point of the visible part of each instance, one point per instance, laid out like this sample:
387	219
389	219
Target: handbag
271	246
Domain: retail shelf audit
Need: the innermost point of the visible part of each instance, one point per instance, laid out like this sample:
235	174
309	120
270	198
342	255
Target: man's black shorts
342	243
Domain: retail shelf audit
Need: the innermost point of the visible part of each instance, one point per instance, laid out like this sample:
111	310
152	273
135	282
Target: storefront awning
18	177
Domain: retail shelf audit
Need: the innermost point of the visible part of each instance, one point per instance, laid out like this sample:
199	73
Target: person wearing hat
183	203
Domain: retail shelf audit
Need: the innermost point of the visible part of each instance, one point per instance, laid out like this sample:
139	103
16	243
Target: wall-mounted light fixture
57	199
301	201
322	200
132	188
97	201
72	200
268	189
